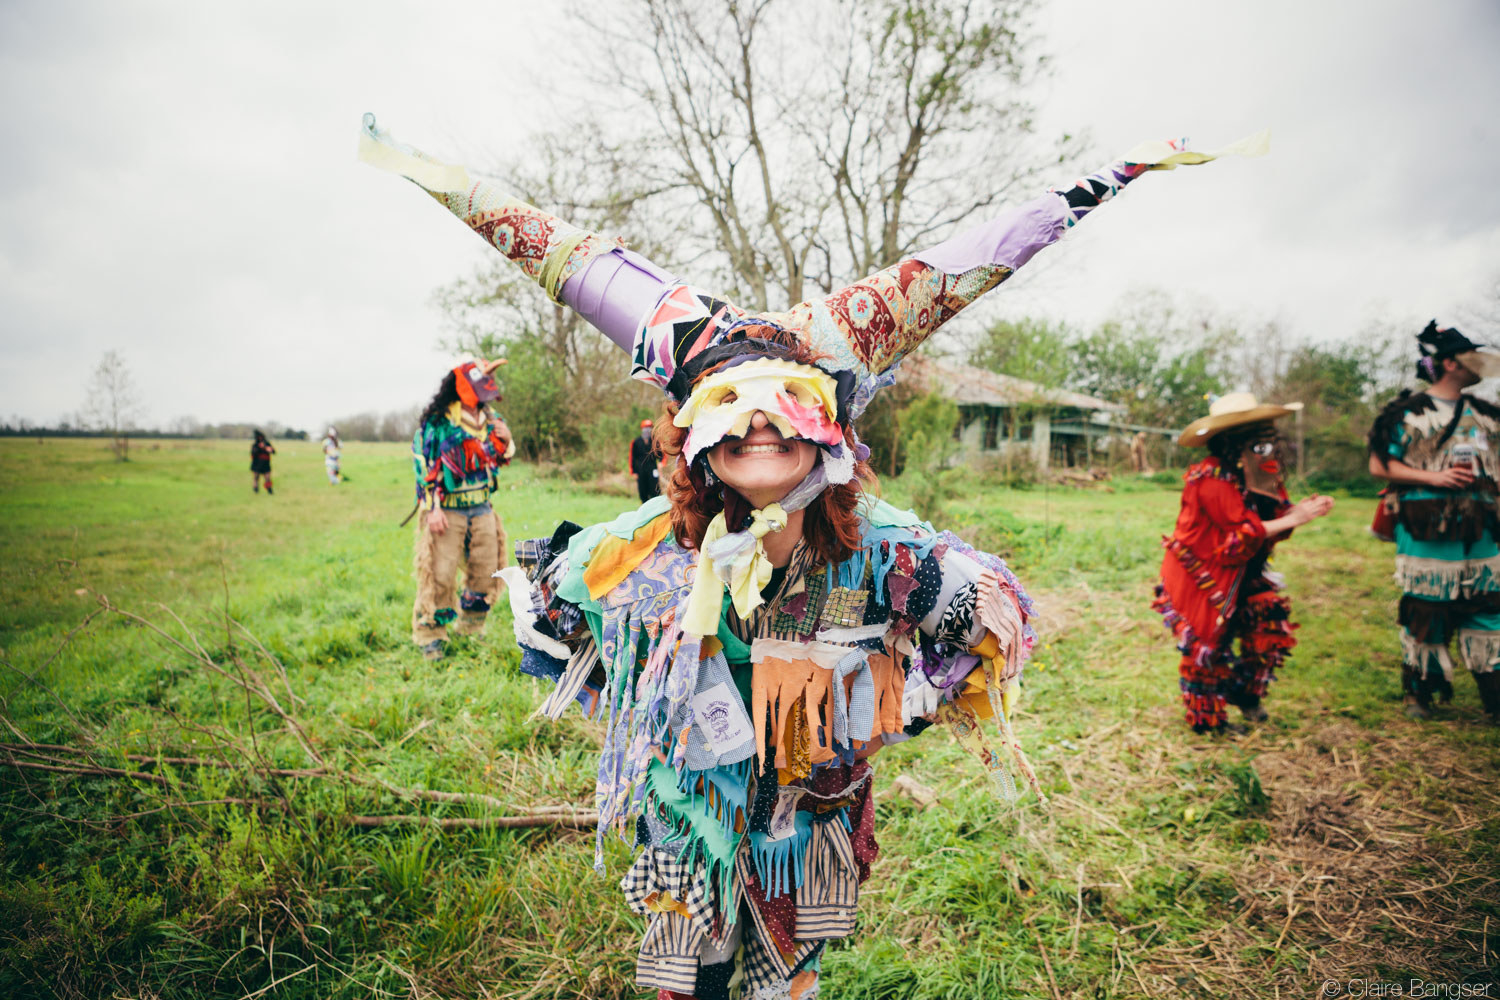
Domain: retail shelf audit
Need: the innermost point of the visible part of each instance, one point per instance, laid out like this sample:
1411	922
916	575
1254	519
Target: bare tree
808	144
359	426
114	403
780	148
398	425
562	376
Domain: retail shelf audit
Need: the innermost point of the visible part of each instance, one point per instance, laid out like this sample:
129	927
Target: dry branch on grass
579	819
83	760
530	816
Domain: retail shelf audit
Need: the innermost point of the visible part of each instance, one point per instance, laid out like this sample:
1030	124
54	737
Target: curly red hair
829	524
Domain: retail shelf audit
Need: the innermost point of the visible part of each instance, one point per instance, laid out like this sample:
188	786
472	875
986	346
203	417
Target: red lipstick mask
1263	466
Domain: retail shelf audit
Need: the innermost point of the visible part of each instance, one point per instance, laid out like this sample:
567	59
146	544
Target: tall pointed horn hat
674	331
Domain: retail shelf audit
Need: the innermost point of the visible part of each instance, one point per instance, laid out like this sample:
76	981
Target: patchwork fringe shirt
1447	559
455	458
738	761
1445	539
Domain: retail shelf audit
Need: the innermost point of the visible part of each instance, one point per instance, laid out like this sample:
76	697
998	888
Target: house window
991	429
1013	426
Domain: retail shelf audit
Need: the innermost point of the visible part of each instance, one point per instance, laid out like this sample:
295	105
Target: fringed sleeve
427	468
974	638
1388	438
1243	532
551	631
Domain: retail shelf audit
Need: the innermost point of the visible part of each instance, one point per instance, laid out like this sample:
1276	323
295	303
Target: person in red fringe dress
1216	585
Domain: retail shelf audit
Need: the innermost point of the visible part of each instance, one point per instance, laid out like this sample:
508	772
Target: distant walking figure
331	452
1138	452
643	464
261	451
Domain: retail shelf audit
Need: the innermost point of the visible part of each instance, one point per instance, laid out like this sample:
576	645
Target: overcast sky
179	181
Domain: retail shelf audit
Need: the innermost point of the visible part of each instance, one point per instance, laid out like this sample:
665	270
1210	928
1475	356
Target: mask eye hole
1263	448
722	396
801	393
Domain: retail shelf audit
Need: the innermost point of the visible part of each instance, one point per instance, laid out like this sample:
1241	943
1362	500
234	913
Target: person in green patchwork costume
1440	450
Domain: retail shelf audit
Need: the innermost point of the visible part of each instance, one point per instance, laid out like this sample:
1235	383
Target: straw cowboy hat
1234	409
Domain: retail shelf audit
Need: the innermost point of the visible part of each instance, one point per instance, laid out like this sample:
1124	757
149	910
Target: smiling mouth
760	449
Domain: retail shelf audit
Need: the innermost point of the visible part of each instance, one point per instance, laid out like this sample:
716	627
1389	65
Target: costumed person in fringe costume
261	451
1438	450
753	636
457	448
1216	583
332	450
643	464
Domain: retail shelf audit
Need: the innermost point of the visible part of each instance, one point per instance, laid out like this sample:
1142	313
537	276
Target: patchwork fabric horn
549	250
863	329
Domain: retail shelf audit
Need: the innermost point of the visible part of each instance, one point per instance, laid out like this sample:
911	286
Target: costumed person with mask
753	636
1438	450
643	464
261	451
458	446
1216	586
331	453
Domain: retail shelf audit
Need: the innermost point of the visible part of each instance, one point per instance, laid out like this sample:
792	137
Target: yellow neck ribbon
749	571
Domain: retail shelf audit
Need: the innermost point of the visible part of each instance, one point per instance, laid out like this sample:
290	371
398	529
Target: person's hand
1455	477
1312	508
437	521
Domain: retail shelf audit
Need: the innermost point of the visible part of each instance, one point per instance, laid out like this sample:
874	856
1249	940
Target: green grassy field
205	686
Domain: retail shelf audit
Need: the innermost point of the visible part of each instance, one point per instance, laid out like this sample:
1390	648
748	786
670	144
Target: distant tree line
184	427
1162	360
394	425
113	409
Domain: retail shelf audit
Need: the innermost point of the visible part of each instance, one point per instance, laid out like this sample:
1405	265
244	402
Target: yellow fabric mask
798	400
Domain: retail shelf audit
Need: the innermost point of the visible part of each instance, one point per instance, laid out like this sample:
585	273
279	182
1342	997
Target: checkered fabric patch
530	552
786	626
